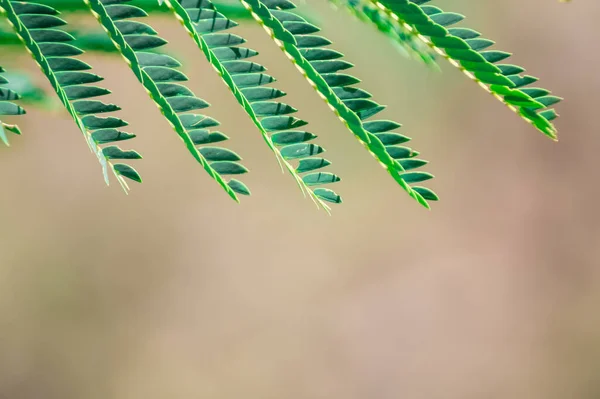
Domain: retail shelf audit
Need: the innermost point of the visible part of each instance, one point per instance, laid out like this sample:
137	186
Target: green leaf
320	65
36	25
158	75
248	84
465	49
368	12
8	108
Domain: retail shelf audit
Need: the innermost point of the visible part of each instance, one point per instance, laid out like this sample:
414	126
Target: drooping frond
37	26
158	73
7	107
368	12
248	83
468	51
321	65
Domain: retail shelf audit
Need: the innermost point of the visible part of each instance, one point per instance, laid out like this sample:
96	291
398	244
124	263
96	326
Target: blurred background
176	291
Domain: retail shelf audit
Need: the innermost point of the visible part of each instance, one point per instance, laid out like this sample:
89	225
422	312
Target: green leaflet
158	75
320	65
247	81
7	107
88	41
37	26
368	12
468	51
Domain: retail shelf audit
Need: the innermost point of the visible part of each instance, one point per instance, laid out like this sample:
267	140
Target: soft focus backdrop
177	292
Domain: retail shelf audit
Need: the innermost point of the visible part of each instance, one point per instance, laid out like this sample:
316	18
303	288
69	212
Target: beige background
176	292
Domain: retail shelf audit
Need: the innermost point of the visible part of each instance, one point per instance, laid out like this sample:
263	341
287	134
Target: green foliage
468	51
88	41
368	12
158	73
247	81
423	31
233	10
29	92
7	107
320	65
37	25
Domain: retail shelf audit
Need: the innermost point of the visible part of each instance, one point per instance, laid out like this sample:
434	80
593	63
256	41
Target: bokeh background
177	292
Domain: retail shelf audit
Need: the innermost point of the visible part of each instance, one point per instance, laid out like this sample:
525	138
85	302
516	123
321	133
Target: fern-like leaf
37	25
368	12
158	73
247	81
320	65
7	107
468	51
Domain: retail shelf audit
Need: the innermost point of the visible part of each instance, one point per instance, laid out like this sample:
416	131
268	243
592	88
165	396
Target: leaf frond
248	83
468	51
37	27
163	81
321	66
367	12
